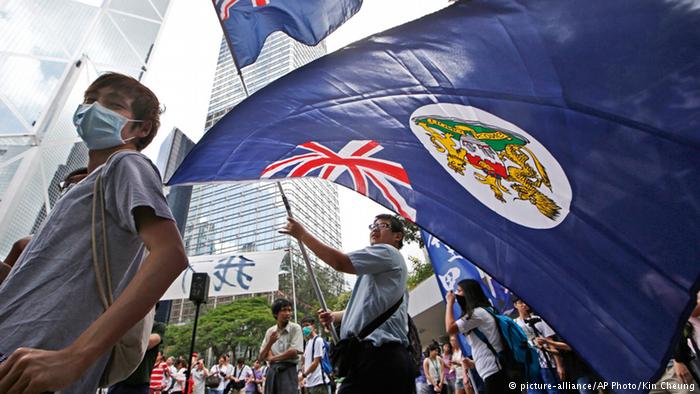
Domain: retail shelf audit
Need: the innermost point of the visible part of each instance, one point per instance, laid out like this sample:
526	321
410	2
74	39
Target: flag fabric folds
247	23
554	144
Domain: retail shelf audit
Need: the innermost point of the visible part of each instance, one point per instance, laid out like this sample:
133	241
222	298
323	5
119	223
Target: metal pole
230	48
312	275
194	335
294	287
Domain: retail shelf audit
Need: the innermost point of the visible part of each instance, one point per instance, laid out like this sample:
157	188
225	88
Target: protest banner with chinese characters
231	274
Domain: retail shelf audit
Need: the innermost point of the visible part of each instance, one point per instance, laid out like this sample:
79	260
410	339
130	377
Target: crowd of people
285	366
169	375
445	370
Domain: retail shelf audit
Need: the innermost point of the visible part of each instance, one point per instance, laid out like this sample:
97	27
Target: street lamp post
294	289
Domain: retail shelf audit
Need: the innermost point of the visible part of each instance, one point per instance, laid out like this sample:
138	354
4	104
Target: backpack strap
320	363
483	338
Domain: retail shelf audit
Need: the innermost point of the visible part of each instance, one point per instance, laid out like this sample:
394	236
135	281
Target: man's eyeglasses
380	226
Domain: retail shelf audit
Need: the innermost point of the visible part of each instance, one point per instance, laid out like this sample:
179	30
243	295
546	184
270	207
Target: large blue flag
247	23
552	143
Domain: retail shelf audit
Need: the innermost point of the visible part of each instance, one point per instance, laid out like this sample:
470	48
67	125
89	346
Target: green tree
411	232
177	339
240	325
341	302
421	271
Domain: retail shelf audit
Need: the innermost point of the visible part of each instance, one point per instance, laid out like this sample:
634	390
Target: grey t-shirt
51	295
381	281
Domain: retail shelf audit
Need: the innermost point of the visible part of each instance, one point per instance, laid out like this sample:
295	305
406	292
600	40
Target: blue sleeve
376	259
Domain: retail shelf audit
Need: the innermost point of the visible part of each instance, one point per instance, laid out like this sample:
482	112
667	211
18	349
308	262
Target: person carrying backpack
316	377
482	331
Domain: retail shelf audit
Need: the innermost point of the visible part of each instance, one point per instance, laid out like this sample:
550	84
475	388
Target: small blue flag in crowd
552	143
247	23
450	268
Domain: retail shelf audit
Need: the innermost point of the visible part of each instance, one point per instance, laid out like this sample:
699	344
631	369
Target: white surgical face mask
100	127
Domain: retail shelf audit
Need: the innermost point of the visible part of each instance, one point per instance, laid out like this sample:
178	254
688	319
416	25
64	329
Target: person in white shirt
474	302
315	380
199	375
180	377
537	331
432	368
224	370
241	373
460	364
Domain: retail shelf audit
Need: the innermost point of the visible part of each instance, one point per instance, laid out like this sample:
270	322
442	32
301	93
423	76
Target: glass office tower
244	217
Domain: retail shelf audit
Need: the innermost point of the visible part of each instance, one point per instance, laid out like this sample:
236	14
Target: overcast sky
182	68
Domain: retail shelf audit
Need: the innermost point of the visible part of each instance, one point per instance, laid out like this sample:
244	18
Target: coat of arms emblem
482	151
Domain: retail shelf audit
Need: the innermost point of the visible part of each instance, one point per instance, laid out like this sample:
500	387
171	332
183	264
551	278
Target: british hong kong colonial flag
247	23
554	144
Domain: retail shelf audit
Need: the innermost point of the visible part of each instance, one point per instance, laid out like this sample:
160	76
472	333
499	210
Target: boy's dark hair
279	304
240	360
145	106
308	320
396	225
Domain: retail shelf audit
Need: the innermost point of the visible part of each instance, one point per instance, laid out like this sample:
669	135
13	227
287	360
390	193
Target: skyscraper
246	217
49	52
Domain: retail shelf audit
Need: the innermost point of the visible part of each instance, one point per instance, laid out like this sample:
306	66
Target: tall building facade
49	53
233	218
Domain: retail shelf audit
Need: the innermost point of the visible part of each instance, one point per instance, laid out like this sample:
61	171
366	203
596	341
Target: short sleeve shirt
290	337
51	297
224	372
314	348
484	359
544	330
381	282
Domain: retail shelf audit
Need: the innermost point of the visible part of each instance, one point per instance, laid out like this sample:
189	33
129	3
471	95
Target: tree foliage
340	302
177	339
238	327
411	232
421	271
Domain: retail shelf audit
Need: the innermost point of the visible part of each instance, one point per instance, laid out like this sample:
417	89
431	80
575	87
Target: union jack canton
225	11
356	159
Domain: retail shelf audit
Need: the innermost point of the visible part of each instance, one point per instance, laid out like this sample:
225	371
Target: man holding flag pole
380	360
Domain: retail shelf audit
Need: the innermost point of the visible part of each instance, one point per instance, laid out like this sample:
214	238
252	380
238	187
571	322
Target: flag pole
314	281
230	48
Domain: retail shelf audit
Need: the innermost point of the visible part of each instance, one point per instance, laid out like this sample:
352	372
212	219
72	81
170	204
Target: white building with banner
231	274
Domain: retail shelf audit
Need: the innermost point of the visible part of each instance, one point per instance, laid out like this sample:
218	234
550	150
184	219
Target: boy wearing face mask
51	314
315	381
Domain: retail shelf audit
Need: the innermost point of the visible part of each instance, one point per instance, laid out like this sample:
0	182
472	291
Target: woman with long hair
474	303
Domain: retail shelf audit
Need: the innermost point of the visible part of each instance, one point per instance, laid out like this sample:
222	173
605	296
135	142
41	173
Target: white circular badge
500	164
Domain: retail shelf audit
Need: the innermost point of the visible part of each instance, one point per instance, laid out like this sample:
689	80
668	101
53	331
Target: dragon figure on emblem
499	156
